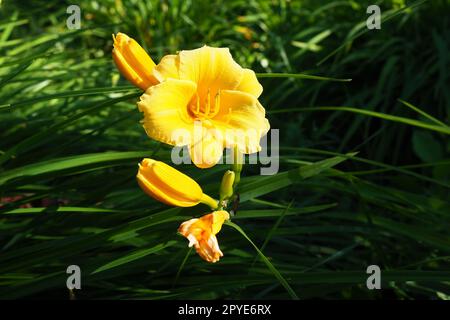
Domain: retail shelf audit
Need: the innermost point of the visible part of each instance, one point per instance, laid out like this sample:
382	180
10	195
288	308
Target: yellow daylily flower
205	86
201	233
133	62
201	86
170	186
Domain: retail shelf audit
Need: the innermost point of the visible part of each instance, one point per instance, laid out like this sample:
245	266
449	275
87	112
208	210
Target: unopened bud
226	187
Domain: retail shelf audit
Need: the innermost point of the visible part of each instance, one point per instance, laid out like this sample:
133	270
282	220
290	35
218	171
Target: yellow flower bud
133	62
226	187
170	186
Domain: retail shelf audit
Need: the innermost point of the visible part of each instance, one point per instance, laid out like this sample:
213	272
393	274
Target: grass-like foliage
364	181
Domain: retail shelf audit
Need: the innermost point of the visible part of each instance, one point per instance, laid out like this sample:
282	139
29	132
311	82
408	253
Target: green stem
212	203
237	166
266	261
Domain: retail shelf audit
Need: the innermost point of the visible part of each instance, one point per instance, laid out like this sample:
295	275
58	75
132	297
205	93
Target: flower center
204	107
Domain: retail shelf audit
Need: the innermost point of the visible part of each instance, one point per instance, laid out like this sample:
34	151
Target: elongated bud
226	187
170	186
133	62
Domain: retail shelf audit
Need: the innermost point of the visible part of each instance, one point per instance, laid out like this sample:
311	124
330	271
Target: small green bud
226	187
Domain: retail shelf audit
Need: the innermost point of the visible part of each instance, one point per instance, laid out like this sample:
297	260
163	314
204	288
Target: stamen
197	98
215	110
207	109
208	102
228	116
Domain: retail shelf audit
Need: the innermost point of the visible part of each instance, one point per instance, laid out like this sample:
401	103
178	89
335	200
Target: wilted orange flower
201	233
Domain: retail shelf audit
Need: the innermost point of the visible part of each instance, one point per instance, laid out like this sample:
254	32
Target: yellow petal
165	111
219	218
167	68
209	249
207	151
133	62
250	84
242	118
211	69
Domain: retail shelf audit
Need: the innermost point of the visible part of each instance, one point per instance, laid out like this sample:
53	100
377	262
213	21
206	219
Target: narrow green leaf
275	226
316	168
74	93
183	263
269	265
385	17
139	254
42	136
61	164
265	185
384	116
268	213
423	113
299	76
60	209
14	73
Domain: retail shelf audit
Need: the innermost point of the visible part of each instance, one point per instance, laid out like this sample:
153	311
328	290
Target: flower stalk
203	88
238	161
209	201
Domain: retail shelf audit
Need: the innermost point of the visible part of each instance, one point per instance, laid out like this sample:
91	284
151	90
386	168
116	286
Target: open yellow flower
201	233
203	86
170	186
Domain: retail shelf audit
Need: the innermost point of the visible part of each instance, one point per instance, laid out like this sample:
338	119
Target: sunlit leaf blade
299	76
266	261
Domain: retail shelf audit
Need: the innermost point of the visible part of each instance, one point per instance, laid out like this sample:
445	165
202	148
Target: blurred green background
70	141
